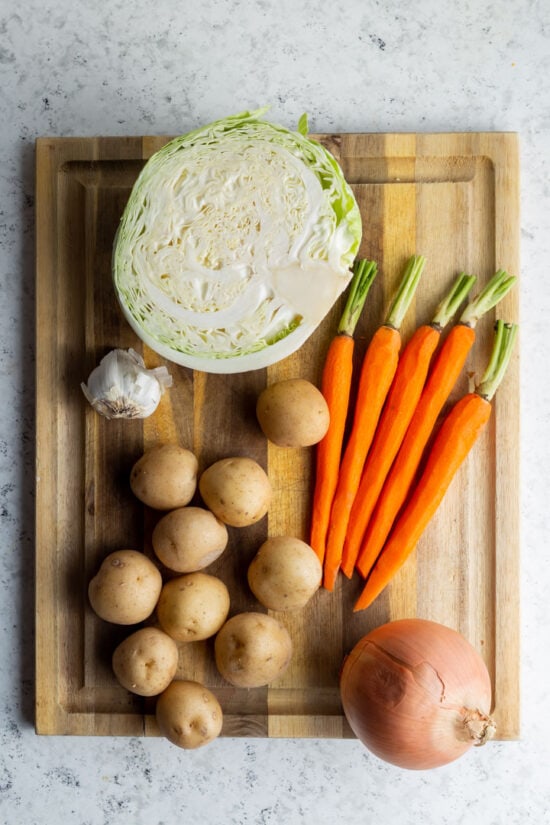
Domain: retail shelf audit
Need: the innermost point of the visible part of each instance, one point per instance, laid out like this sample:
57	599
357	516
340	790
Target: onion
417	694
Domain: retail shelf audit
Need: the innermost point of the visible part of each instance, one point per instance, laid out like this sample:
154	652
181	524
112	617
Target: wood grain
451	197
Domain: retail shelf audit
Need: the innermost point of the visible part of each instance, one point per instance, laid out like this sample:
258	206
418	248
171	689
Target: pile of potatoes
251	649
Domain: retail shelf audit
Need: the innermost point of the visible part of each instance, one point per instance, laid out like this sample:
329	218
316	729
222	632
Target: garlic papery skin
121	386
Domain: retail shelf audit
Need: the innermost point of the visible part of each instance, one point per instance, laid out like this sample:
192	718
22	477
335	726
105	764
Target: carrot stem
499	285
450	304
336	386
441	380
406	290
377	372
364	275
505	336
457	436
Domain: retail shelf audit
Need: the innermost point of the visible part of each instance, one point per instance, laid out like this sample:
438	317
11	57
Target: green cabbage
236	240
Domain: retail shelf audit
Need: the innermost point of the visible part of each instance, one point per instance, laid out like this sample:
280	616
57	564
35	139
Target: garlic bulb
122	386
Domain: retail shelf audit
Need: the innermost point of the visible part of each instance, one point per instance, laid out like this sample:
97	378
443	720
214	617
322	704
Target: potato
237	490
146	662
285	573
252	649
293	413
188	714
165	477
189	538
193	607
126	587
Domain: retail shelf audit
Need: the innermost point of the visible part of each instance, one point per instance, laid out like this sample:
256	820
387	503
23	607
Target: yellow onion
417	694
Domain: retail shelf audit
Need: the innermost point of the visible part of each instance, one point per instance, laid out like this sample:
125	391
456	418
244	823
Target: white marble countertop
161	68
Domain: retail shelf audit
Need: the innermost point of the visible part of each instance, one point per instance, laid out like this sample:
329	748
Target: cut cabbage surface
235	242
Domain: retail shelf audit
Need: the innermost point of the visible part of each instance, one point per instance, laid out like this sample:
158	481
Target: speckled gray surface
137	68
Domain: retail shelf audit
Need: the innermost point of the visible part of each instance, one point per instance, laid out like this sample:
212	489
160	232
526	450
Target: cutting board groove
451	197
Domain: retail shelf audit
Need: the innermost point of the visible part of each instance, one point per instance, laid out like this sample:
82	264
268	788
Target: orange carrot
377	372
403	397
455	439
335	386
440	382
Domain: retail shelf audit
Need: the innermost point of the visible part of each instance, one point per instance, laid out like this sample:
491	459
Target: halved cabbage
235	242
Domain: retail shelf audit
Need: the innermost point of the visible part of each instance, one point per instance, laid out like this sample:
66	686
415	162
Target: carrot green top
495	290
405	292
364	275
505	336
450	304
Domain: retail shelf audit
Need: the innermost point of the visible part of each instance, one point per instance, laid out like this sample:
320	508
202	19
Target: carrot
458	434
401	402
440	382
335	386
377	372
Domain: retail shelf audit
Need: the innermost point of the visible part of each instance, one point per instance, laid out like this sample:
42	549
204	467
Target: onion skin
417	694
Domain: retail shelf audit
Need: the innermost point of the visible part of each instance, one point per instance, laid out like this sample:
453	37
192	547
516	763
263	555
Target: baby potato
188	714
193	607
165	477
285	573
252	649
126	587
189	538
146	662
237	490
293	413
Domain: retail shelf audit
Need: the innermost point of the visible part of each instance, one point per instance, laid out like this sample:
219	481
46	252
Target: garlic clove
121	386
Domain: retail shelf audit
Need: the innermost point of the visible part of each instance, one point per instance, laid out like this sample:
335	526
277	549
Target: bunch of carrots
371	503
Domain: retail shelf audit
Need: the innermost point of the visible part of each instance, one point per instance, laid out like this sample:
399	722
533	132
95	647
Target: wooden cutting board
451	197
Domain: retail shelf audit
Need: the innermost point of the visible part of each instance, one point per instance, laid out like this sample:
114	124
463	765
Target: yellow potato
146	662
285	573
165	477
189	539
293	413
193	607
126	588
188	714
237	490
252	649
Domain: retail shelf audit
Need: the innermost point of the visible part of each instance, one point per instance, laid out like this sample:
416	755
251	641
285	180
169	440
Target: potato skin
126	587
146	661
252	649
165	477
189	538
293	413
188	714
285	573
237	490
193	607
